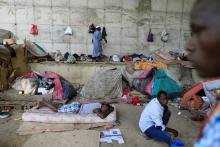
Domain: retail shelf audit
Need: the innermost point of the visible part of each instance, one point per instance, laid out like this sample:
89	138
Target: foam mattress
45	115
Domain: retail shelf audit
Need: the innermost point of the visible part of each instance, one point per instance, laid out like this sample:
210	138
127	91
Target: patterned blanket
104	84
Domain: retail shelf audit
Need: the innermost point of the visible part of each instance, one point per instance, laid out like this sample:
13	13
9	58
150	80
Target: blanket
104	84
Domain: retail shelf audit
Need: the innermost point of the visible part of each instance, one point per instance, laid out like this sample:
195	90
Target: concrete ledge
74	73
80	72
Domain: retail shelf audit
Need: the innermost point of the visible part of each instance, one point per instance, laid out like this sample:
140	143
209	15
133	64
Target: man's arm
46	104
157	119
174	132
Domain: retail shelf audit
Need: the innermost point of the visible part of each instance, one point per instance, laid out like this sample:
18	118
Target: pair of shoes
4	114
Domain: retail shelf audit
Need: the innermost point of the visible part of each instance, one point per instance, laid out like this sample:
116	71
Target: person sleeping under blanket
101	109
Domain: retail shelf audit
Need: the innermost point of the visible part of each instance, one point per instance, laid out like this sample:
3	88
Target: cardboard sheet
79	138
112	134
35	127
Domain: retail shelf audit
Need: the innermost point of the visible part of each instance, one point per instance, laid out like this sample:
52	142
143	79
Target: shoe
4	114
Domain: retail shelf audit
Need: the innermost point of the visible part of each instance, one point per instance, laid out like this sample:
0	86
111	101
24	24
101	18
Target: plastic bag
91	28
150	36
34	29
68	31
164	36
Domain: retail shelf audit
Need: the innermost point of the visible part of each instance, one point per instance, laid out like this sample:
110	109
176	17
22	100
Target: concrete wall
127	23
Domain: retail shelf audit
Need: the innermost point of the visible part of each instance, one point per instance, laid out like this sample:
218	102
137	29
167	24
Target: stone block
45	34
129	19
23	32
89	49
96	4
129	49
113	18
6	3
143	20
46	46
113	35
11	27
153	47
142	34
96	16
130	4
79	34
113	4
78	48
60	16
173	20
157	19
78	3
185	35
47	3
129	32
61	3
111	49
175	6
129	36
63	47
78	17
158	5
23	3
168	47
70	73
143	49
43	15
89	39
24	15
174	38
7	14
188	4
58	34
186	22
129	40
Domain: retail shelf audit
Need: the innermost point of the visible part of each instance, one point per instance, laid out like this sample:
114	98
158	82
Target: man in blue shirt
97	44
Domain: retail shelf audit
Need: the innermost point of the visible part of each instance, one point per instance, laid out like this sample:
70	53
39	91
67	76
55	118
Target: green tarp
163	82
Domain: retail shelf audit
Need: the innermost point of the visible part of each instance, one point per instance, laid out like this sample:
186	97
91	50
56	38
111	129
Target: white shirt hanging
164	36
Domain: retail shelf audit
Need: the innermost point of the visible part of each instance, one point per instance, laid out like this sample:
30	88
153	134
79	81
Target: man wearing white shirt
154	118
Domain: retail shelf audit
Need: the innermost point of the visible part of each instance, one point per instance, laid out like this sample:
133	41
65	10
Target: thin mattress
45	115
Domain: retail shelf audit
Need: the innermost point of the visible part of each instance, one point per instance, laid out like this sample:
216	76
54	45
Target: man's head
204	46
162	98
106	107
98	28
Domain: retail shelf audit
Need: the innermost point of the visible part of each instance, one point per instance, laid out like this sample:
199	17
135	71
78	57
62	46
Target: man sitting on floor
101	109
155	117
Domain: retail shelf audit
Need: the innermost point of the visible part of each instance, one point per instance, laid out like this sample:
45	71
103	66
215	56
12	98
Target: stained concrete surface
128	115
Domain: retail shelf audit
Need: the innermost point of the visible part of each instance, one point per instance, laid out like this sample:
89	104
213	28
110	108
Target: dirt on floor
127	115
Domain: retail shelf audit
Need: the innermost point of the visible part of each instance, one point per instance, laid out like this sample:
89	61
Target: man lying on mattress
101	109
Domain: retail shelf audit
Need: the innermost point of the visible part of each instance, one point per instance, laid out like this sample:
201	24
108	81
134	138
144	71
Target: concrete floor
128	116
